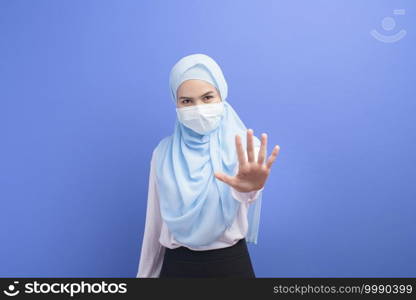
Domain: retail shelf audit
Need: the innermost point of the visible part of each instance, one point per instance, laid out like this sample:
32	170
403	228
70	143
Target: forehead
194	88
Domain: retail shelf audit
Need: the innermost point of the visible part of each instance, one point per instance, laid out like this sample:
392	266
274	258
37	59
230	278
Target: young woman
199	217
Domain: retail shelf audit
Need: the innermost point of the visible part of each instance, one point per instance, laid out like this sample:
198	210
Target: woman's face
196	92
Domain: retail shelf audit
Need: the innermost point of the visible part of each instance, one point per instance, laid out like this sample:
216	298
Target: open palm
252	174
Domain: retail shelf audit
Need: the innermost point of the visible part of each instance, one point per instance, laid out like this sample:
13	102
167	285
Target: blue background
84	101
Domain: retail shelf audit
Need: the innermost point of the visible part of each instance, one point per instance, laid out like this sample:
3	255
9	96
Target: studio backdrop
84	100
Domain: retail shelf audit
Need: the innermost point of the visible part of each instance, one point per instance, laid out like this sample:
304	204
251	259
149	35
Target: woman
198	216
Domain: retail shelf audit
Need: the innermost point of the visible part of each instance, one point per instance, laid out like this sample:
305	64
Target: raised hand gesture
252	175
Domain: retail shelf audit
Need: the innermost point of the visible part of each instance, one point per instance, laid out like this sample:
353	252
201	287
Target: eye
184	101
208	97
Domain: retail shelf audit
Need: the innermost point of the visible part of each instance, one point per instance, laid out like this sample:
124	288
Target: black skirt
233	261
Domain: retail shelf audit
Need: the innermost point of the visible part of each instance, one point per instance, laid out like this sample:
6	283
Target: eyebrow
205	94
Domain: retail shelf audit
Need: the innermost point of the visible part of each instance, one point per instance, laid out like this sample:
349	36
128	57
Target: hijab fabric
196	206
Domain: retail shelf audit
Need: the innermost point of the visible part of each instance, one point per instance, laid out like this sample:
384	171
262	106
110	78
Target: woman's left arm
248	197
253	170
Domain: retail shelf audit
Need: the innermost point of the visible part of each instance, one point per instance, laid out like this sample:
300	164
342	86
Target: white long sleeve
157	236
152	251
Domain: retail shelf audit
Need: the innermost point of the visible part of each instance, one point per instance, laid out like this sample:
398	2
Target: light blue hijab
196	206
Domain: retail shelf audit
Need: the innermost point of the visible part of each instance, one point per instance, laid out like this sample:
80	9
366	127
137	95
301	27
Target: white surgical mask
201	118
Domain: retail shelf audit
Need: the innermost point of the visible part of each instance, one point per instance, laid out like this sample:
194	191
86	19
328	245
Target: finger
273	156
240	150
263	147
250	146
224	178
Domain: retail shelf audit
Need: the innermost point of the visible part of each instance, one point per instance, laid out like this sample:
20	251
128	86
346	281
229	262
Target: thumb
224	177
